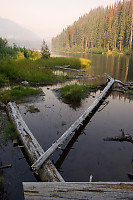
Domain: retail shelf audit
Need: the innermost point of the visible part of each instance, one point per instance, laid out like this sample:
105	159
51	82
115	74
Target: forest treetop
105	29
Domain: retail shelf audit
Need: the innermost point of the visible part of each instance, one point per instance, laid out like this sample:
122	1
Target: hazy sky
47	18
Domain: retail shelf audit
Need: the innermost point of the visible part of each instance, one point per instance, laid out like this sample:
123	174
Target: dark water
86	153
11	178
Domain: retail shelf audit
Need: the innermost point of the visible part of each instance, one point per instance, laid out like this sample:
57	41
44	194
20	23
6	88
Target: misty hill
11	30
102	29
19	35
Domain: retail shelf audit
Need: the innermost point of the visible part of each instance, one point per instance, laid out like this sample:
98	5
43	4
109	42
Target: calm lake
84	153
87	153
119	67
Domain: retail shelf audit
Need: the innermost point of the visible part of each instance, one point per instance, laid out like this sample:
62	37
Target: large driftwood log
47	172
76	191
73	127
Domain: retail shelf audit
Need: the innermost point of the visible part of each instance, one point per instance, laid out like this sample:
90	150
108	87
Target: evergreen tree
45	50
106	28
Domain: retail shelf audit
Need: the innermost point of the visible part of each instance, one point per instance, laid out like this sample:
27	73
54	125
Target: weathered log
121	138
74	126
5	166
47	172
70	69
69	190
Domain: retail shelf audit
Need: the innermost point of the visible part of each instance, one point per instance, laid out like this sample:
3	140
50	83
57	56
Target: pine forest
101	30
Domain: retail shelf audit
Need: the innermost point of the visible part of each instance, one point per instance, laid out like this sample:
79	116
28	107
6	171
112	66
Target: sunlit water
119	67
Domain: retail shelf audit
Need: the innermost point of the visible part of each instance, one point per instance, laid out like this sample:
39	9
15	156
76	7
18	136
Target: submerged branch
121	138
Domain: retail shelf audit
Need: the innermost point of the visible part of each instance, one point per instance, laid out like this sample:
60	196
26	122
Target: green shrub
115	51
96	50
3	78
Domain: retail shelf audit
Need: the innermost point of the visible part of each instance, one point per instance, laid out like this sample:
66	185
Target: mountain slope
11	30
102	29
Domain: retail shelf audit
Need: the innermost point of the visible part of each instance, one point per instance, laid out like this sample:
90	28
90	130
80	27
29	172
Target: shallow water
86	153
11	178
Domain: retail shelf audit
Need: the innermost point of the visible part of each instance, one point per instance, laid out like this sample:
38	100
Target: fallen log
121	138
126	138
73	127
5	166
78	191
70	69
47	172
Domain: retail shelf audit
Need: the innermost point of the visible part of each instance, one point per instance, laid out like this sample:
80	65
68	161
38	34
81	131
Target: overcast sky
47	18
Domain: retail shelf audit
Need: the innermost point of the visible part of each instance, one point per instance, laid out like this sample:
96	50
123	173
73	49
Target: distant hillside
11	30
25	43
19	35
102	29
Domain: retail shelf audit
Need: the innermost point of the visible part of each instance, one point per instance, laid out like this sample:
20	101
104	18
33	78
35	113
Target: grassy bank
75	92
17	93
25	69
59	61
35	70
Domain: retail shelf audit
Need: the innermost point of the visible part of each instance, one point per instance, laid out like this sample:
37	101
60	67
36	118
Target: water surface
119	66
86	153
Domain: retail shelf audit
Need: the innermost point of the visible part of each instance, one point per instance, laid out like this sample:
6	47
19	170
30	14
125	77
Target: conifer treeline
103	28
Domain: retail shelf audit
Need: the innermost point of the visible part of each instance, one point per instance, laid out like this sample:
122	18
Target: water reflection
81	131
3	188
77	133
11	178
90	155
119	67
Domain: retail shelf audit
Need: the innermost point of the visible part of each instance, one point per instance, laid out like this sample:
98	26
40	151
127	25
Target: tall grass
35	70
59	61
3	78
16	93
75	92
25	70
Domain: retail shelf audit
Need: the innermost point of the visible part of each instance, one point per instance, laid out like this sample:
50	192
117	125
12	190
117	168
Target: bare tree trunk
115	39
120	45
131	39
